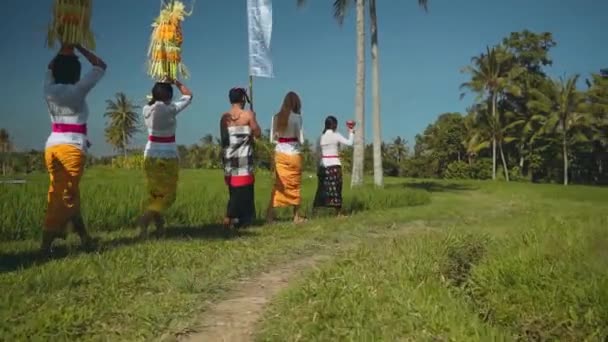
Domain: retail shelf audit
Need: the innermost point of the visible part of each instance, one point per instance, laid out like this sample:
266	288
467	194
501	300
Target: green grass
113	199
130	290
519	262
455	261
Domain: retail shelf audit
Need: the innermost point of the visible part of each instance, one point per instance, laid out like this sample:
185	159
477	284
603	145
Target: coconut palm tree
340	9
565	112
492	75
123	122
6	146
376	118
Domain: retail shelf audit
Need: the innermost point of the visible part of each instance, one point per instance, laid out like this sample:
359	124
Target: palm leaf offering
165	51
71	24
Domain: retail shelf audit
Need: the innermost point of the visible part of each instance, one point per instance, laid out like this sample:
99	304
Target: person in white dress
161	163
329	188
65	151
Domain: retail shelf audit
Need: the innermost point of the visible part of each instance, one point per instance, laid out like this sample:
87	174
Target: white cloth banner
259	18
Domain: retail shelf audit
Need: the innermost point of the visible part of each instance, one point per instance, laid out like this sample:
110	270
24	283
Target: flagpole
251	92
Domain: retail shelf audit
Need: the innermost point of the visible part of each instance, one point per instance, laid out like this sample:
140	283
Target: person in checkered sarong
238	128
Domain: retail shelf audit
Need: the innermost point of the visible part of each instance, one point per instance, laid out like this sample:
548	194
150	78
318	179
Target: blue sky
421	57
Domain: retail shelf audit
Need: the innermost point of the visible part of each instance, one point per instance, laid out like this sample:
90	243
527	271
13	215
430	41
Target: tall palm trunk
565	151
504	161
359	146
124	142
494	99
378	170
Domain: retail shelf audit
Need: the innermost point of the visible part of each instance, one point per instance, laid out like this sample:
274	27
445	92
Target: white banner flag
259	18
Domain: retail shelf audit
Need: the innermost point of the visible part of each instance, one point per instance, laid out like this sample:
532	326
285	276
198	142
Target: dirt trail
235	318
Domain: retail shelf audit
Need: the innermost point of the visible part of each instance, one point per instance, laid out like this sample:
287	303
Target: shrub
458	170
481	169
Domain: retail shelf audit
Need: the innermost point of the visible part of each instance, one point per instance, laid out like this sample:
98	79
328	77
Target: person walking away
287	133
65	93
238	128
329	173
161	164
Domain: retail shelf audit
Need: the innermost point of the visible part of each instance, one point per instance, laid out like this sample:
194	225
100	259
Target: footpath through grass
512	262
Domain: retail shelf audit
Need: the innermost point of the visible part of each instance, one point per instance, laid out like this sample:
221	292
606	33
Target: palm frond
340	9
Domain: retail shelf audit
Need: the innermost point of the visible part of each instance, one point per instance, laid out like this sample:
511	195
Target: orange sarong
288	180
65	164
161	176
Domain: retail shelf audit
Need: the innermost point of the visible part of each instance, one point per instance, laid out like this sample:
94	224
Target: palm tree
474	137
123	122
598	107
398	149
376	118
492	75
340	8
564	106
6	146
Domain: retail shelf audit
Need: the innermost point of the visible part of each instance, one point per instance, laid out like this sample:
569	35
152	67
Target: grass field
448	261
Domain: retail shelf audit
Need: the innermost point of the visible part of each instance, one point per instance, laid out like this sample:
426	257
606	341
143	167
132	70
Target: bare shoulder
249	114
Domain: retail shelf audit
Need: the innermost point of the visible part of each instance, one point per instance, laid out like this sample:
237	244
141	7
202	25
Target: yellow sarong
161	177
65	164
288	180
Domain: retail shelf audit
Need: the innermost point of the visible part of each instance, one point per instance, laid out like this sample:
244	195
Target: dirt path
235	318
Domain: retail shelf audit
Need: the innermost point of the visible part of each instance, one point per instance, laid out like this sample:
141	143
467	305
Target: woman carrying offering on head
286	131
238	128
65	93
329	188
160	156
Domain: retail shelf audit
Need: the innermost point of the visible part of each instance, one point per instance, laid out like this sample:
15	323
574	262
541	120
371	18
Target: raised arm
94	75
186	98
182	88
344	141
91	57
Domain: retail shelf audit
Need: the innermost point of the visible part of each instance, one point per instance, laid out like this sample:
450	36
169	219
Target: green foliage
123	122
481	169
532	269
458	170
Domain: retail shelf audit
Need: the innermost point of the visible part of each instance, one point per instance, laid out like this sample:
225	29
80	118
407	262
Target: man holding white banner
259	18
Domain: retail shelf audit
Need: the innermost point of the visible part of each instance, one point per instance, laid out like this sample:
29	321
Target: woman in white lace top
329	188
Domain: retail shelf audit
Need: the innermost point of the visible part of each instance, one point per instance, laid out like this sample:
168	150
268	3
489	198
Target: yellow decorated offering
71	24
165	51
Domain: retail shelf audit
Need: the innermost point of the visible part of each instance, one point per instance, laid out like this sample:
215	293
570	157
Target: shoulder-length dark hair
330	123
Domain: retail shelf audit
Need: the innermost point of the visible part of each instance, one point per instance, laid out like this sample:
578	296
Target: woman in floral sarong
329	188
